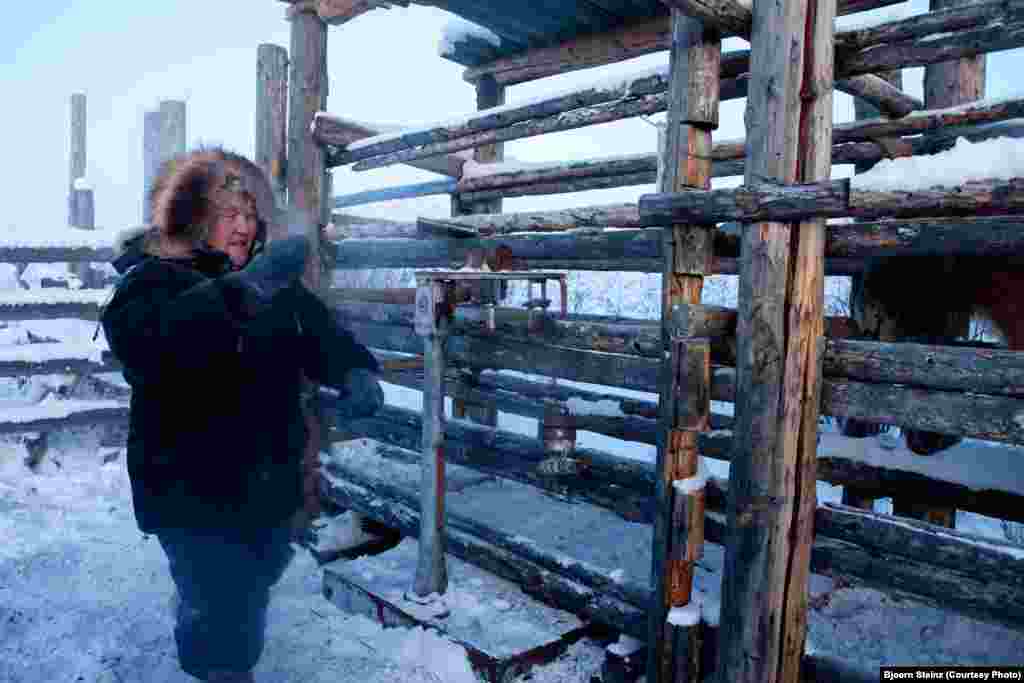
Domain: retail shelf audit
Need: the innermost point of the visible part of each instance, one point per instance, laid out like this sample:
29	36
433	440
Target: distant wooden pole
78	135
780	322
272	115
151	126
172	129
678	537
81	203
488	94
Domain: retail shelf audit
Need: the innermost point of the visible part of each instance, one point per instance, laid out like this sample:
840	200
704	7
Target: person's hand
280	265
361	394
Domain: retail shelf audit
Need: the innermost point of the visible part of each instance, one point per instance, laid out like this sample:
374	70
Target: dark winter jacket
217	433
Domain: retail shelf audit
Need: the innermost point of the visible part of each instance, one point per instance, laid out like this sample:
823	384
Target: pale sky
383	66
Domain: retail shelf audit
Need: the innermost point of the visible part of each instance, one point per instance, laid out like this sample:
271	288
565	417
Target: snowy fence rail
979	578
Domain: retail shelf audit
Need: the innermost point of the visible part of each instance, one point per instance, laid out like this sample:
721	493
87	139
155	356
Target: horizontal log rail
62	414
56	254
427	189
645	94
48	304
834	199
589	51
53	358
638	423
982	416
945	568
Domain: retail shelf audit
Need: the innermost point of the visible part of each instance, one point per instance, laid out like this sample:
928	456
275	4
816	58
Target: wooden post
862	306
151	125
272	115
773	472
172	129
947	84
488	94
78	151
434	305
678	539
307	182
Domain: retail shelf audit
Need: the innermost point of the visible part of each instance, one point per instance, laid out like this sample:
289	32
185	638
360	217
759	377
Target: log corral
899	359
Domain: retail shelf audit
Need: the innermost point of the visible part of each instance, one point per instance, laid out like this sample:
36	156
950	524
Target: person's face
234	227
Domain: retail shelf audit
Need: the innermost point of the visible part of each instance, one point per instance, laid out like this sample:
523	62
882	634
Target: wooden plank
729	17
272	115
979	236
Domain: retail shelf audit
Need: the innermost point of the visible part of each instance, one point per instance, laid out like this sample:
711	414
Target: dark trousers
223	582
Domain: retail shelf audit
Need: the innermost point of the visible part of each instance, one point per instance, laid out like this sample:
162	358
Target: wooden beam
729	17
344	132
337	12
835	198
618	45
429	188
770	510
887	98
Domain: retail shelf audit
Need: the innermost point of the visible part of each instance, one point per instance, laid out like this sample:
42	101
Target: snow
56	295
688	615
692	484
604	407
458	30
978	465
625	646
13	237
82	184
1000	159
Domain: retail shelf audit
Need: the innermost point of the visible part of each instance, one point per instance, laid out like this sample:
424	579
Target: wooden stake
674	650
272	115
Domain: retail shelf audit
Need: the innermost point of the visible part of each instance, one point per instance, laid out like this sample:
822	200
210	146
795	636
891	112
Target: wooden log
345	132
150	159
565	186
887	98
678	534
729	17
980	236
307	172
42	305
583	52
503	117
173	123
429	188
338	295
878	482
77	161
763	614
562	170
345	226
272	115
431	569
76	414
489	94
833	198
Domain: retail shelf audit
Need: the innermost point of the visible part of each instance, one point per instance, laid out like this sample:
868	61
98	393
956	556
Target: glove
280	265
361	395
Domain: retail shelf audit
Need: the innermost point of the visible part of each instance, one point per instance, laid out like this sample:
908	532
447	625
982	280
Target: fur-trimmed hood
185	186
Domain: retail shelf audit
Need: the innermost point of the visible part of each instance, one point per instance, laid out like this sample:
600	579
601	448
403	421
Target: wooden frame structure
777	357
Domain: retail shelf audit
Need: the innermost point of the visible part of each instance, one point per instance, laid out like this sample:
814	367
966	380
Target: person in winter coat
215	331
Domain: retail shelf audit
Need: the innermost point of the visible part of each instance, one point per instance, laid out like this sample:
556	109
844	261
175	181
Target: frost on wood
997	159
688	615
36	297
42	353
604	407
